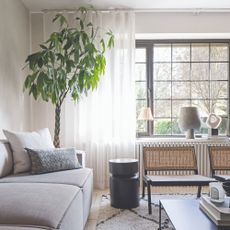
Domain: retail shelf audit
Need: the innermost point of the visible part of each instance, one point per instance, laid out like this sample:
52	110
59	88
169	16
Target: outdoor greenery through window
170	75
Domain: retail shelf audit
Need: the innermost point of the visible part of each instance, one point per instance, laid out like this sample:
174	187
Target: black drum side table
124	183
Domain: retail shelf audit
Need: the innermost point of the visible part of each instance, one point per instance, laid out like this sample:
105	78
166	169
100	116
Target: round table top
123	160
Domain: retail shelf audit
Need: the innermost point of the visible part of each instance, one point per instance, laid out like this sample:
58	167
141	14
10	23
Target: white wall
42	113
14	47
182	22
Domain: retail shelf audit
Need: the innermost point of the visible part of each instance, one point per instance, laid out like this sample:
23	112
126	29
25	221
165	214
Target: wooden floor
94	212
97	194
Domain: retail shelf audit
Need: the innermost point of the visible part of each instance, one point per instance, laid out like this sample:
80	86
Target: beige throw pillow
6	158
21	140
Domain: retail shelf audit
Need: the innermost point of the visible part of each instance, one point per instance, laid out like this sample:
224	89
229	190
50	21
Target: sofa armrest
81	157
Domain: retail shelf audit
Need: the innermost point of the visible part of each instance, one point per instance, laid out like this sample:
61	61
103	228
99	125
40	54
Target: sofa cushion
82	178
51	160
38	205
20	140
6	158
75	177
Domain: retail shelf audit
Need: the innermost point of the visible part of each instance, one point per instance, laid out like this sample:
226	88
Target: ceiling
38	5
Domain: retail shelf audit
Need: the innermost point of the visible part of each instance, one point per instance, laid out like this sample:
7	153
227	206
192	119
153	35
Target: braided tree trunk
57	126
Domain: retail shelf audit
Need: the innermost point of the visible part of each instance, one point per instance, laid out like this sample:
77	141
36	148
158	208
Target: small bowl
226	187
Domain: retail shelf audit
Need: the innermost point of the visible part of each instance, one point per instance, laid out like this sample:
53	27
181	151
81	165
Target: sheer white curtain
103	123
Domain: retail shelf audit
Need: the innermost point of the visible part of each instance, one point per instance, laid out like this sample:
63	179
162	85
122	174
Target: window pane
162	53
141	90
219	71
200	52
175	127
223	126
219	107
162	90
139	105
180	90
180	71
200	90
162	126
181	52
162	71
140	55
219	52
141	126
162	108
203	107
140	72
203	129
219	89
200	71
176	105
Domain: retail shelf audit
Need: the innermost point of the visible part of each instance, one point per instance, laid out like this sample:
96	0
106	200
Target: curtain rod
153	10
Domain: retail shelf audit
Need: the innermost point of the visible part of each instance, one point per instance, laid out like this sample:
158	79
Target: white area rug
138	218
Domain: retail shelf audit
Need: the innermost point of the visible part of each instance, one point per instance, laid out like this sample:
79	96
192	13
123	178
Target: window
170	75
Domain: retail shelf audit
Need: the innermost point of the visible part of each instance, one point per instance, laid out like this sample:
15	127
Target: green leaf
89	24
52	57
34	91
43	47
103	45
56	17
68	44
61	18
75	95
111	42
40	81
68	66
76	56
40	62
27	82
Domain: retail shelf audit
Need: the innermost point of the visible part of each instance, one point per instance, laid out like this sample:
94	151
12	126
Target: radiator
200	145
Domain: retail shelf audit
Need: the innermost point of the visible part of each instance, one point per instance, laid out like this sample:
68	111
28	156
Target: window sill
182	139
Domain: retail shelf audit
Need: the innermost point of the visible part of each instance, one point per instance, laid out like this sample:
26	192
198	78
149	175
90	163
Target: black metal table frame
161	207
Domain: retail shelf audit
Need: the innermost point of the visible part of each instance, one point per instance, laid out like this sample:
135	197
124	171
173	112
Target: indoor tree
71	62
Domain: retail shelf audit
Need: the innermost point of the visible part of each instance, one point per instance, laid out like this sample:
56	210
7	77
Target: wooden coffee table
186	215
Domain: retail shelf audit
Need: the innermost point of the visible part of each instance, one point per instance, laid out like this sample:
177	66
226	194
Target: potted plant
71	62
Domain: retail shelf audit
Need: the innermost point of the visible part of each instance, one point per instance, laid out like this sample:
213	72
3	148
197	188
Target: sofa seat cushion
75	177
44	206
82	177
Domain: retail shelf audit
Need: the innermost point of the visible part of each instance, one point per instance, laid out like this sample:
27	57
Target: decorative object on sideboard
189	120
217	193
213	122
145	114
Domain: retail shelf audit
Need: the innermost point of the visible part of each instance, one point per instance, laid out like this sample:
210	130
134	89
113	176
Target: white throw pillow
21	140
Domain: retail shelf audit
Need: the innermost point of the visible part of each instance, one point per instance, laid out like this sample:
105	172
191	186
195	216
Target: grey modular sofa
57	200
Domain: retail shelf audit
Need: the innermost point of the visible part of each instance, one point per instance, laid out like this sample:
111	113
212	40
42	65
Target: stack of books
219	213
